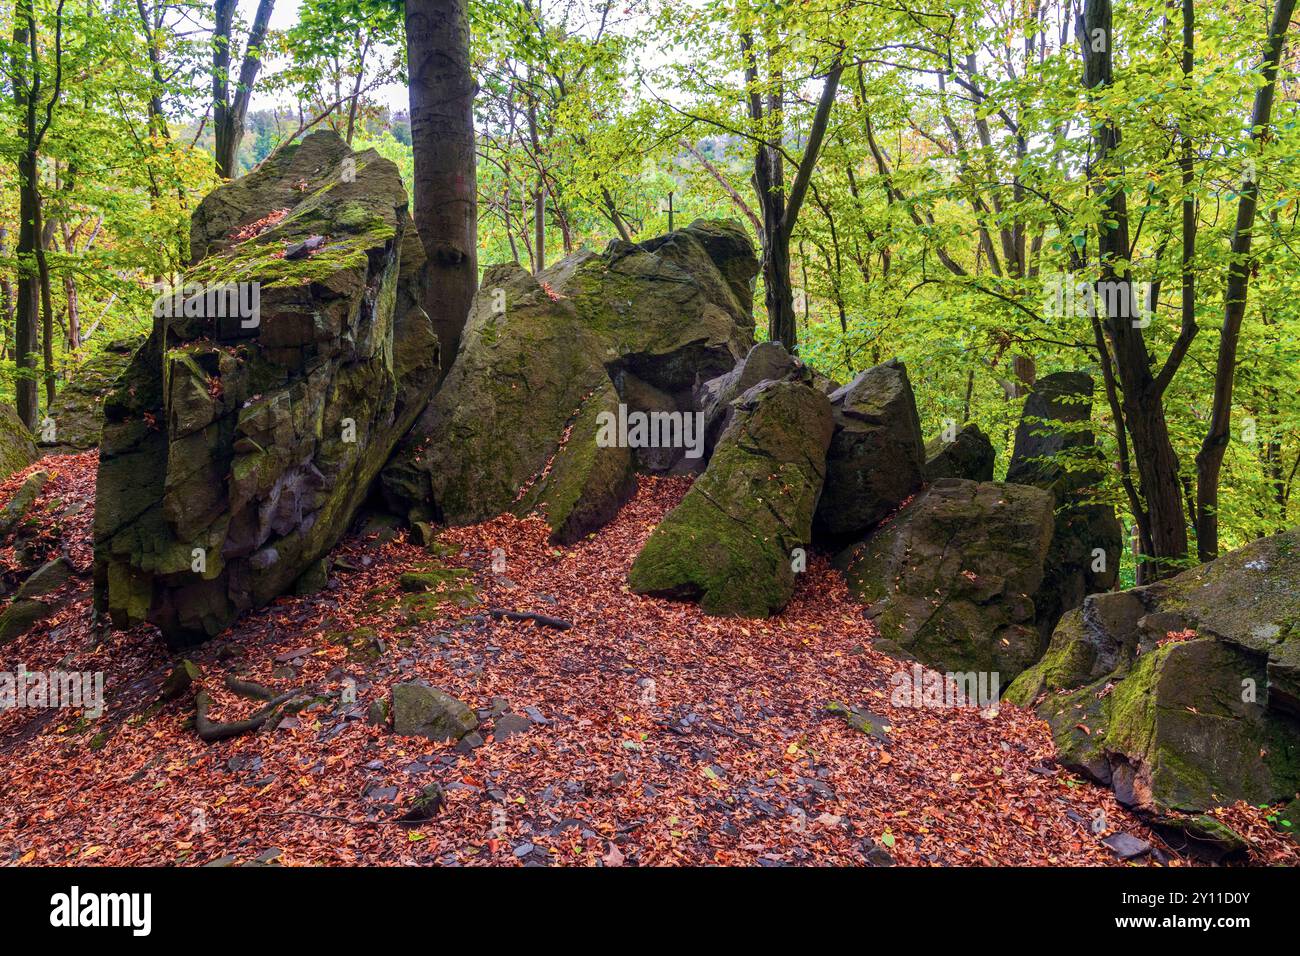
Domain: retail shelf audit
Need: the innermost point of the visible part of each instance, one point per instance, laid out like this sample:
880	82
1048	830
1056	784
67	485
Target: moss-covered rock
236	452
950	579
17	449
16	508
435	576
1181	695
731	542
876	458
19	617
77	413
1055	450
515	426
766	362
1053	423
315	577
588	481
968	454
1204	836
185	675
423	711
46	579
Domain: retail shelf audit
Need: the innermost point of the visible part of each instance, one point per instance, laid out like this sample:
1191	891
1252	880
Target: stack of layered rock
245	432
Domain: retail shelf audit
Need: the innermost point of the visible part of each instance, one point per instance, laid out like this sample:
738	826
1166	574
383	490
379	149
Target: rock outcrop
556	373
35	600
1055	450
731	542
77	415
1182	695
950	579
766	362
1053	436
876	458
17	449
240	441
969	455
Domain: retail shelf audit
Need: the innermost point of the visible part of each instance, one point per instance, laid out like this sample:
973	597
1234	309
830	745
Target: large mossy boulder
766	362
18	506
731	543
545	361
950	579
17	449
1184	694
877	456
1055	450
77	415
967	454
237	448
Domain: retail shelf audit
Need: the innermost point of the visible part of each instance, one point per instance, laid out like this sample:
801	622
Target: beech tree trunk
442	137
26	73
26	342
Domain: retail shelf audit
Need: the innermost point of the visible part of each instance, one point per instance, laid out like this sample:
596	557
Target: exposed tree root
250	689
498	614
269	716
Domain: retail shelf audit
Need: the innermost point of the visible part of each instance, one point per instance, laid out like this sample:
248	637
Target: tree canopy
989	190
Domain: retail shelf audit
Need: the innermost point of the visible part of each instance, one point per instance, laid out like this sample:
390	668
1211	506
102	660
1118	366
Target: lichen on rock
950	579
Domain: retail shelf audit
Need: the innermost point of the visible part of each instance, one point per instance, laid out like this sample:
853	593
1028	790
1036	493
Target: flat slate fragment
1126	846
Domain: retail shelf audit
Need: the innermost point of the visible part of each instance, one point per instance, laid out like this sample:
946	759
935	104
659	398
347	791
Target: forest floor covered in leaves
654	735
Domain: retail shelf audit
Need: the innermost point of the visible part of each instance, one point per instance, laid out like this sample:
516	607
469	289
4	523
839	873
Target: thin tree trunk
779	211
611	210
28	313
510	232
734	196
26	75
539	223
1209	462
356	89
6	302
1143	393
230	105
70	293
47	306
539	190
